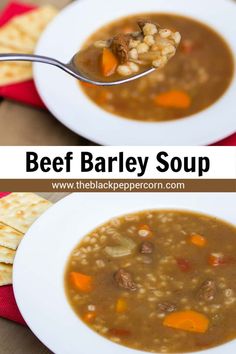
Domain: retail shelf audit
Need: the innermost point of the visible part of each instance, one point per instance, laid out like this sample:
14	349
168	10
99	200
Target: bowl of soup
188	102
131	273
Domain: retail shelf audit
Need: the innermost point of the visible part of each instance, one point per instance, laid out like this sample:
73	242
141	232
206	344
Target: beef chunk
167	307
207	290
120	47
146	247
124	280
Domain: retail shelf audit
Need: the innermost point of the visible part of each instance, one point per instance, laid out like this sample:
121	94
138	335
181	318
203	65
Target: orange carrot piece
109	62
81	281
198	240
191	321
144	227
144	230
89	317
87	84
214	260
187	46
218	259
128	29
121	305
173	99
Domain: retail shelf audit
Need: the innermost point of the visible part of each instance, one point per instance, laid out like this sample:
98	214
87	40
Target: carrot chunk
218	259
87	84
173	99
144	230
198	240
128	29
89	317
109	62
187	46
121	305
215	259
144	227
81	281
191	321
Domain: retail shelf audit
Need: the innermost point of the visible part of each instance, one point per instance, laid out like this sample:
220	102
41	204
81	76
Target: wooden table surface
17	339
20	123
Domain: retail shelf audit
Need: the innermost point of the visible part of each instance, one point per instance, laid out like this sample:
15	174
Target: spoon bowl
71	68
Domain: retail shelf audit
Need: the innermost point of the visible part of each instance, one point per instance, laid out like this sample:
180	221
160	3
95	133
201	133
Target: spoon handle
45	60
30	58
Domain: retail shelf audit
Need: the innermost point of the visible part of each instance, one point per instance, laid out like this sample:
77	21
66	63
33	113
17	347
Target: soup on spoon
129	54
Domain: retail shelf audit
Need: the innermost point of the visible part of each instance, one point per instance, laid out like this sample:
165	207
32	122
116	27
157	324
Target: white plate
41	258
69	104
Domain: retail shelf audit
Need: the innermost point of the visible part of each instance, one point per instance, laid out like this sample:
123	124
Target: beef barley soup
195	78
158	281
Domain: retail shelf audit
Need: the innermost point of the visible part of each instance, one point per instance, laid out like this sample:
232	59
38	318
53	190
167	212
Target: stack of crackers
18	211
20	35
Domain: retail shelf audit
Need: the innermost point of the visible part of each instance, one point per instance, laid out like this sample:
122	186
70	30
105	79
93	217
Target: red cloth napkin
229	141
8	306
24	92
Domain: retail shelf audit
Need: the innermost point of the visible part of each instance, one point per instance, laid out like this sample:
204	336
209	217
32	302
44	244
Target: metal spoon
70	68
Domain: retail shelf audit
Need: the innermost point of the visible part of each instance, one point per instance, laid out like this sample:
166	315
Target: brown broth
203	68
174	273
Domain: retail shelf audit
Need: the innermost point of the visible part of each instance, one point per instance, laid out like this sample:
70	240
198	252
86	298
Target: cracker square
34	22
20	210
12	73
11	36
7	255
5	274
9	237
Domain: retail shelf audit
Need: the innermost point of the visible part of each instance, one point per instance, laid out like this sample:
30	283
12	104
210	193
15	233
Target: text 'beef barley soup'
195	78
158	281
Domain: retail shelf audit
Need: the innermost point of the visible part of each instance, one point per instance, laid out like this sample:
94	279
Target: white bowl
74	109
39	266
